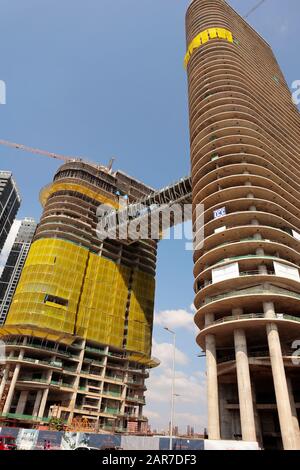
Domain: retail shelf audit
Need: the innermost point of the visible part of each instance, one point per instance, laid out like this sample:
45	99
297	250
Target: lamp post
173	388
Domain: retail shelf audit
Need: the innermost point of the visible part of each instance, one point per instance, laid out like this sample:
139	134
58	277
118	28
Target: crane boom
39	151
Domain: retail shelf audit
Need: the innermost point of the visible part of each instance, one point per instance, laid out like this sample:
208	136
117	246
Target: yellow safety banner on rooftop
205	36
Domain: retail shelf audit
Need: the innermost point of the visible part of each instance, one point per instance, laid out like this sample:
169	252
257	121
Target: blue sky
102	78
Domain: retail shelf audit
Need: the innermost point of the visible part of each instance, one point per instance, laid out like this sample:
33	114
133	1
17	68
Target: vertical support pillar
290	441
72	403
244	387
37	403
4	380
212	388
293	407
13	381
289	437
45	396
22	402
256	416
11	391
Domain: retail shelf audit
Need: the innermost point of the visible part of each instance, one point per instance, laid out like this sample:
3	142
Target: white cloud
175	319
152	414
164	352
193	308
190	386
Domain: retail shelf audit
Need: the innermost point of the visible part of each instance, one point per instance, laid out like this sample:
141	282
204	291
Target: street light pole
173	389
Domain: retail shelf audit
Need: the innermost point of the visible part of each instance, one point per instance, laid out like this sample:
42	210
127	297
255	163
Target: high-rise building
79	329
244	132
16	259
9	204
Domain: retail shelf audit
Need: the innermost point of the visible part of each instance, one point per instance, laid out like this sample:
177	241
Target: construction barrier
33	439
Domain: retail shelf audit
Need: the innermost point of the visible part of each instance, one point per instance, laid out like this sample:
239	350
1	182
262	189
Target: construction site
64	359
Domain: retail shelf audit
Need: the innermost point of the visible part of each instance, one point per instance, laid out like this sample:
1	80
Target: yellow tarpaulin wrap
141	313
66	289
79	188
56	268
205	36
102	308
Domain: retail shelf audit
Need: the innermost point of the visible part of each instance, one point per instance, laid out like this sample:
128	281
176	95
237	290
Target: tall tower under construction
79	329
245	157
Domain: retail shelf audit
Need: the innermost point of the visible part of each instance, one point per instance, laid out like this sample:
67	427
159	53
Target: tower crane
40	152
57	156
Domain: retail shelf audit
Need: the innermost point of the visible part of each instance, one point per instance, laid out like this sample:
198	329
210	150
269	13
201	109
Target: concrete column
289	437
4	380
13	381
37	403
43	403
225	413
72	403
22	402
44	396
252	208
293	407
11	391
269	310
237	312
262	269
254	222
257	236
209	319
244	387
256	417
250	196
212	388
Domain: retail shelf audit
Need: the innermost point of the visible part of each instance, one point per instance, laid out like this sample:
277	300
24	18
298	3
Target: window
59	301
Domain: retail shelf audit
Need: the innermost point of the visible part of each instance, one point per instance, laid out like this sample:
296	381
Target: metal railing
112	393
32	379
136	399
24	417
251	316
97	350
241	274
61	384
251	292
111	411
251	354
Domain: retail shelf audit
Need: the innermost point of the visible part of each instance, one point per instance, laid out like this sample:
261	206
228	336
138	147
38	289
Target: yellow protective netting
103	303
140	322
65	288
85	189
56	268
